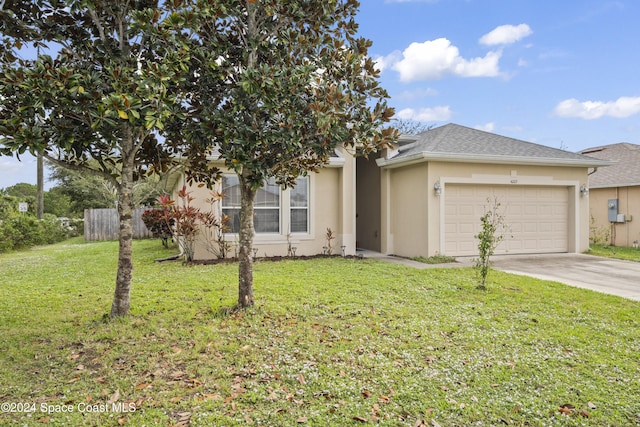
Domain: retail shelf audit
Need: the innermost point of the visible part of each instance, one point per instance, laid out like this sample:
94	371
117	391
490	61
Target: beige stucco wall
405	215
618	234
331	205
415	217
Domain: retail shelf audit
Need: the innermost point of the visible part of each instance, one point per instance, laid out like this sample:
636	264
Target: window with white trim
266	208
269	203
299	206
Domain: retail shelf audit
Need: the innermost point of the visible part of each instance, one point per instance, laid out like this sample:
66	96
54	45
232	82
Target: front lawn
331	342
618	252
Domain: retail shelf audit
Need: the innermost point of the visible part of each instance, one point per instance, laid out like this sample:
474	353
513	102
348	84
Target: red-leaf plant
185	219
215	227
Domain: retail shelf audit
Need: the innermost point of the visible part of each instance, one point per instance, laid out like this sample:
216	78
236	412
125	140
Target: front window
268	205
267	208
231	201
299	206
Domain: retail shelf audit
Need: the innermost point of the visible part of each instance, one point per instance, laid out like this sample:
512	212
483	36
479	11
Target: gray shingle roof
453	142
626	170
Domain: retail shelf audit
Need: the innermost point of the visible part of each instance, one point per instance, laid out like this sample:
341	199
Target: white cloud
434	59
487	127
506	34
435	114
622	107
384	62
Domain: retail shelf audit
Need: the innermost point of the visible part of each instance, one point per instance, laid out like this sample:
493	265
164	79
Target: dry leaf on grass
114	397
566	409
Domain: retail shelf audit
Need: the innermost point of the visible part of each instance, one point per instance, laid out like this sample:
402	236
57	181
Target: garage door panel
515	209
545	227
467	228
537	218
560	210
514	246
466	210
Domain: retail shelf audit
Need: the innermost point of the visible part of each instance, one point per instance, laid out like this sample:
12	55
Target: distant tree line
64	206
20	230
76	191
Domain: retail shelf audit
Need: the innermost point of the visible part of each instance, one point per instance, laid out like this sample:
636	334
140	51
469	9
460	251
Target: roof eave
407	139
474	158
615	185
334	162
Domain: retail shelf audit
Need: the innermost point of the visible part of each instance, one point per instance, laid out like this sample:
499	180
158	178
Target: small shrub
598	235
20	231
215	226
493	228
186	218
158	224
329	237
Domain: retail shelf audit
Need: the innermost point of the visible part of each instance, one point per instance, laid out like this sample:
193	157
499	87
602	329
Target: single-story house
299	217
424	197
615	195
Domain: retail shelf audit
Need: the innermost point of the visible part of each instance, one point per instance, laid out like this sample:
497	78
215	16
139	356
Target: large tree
88	191
101	90
287	82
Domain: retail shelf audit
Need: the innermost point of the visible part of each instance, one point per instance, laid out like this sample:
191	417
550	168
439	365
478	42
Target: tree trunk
121	298
40	187
245	252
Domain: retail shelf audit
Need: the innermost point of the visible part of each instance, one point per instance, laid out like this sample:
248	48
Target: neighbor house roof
455	143
626	170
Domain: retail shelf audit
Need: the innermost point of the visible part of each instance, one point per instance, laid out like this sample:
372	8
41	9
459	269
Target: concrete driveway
606	275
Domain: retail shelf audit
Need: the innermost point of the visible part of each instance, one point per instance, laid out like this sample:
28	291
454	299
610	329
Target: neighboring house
425	197
615	195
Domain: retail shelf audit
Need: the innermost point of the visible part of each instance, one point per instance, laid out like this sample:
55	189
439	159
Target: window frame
306	182
284	209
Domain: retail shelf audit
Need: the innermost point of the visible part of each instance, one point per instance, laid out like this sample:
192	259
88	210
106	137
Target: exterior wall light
584	191
437	188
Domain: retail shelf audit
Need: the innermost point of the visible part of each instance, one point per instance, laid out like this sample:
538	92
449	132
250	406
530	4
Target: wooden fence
103	224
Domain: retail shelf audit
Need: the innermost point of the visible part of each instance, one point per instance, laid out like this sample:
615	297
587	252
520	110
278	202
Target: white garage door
537	218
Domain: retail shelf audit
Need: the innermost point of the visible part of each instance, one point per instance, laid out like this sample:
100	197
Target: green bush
8	206
24	231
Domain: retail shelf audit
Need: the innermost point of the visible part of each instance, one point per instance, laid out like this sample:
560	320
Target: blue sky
565	74
557	73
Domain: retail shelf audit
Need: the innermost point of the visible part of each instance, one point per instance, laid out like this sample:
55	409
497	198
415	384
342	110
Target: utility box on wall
612	205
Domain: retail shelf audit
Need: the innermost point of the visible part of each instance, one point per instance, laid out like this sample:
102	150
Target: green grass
330	342
618	252
435	259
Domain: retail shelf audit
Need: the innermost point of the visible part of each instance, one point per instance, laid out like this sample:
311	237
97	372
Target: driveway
606	275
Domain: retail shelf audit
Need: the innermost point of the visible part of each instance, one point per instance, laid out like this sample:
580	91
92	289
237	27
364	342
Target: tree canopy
89	191
286	83
124	88
101	91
